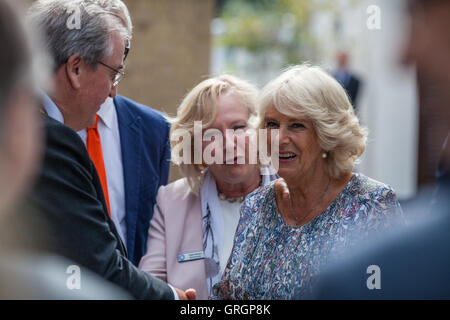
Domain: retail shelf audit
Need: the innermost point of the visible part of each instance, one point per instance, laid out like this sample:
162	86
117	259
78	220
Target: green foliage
261	25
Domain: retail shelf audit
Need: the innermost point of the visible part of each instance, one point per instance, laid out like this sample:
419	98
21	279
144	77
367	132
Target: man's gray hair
83	27
117	7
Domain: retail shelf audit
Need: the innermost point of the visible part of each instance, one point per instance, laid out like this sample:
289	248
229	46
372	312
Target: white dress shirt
108	128
51	108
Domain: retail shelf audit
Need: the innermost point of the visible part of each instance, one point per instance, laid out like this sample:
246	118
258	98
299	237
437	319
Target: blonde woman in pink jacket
192	231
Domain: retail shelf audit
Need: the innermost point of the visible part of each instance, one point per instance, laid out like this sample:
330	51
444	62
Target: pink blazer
176	227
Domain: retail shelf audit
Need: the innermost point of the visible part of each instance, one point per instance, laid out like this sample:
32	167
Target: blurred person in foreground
290	229
25	274
413	263
88	64
192	232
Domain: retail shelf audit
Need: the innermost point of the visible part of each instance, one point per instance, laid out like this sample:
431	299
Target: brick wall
170	52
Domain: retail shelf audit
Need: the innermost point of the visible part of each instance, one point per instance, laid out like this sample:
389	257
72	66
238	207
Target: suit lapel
130	129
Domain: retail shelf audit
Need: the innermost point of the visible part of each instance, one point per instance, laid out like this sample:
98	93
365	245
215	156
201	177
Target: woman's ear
74	69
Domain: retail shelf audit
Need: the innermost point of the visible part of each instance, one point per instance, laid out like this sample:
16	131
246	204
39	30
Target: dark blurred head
15	54
20	133
428	45
342	59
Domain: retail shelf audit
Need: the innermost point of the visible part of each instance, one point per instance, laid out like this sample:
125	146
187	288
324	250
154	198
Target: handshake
189	294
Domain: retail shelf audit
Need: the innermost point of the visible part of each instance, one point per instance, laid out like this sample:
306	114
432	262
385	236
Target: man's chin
237	171
91	122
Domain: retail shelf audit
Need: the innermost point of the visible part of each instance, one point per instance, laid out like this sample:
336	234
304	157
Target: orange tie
94	146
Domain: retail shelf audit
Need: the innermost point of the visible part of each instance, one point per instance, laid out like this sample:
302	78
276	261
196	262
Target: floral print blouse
272	260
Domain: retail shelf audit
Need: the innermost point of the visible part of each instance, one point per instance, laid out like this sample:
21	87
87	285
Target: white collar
51	108
107	112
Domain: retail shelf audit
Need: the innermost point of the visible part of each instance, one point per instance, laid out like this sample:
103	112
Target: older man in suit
88	66
136	159
133	144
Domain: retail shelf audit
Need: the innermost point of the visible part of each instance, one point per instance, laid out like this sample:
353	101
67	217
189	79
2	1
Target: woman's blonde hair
308	91
201	104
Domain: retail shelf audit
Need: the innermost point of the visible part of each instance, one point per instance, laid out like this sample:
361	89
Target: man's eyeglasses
127	49
117	77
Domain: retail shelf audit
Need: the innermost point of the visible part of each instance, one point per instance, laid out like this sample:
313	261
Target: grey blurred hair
92	41
23	63
15	55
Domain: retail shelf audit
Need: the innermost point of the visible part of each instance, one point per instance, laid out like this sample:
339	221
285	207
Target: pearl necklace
231	199
236	199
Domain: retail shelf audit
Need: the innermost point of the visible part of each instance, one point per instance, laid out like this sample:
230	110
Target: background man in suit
414	263
347	79
135	149
87	43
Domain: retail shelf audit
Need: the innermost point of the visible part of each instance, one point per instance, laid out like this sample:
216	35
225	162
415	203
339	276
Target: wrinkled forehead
276	112
231	108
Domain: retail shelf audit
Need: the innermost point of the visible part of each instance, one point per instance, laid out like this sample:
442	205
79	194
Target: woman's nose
283	135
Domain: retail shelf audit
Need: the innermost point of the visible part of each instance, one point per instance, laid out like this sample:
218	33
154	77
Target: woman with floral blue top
291	228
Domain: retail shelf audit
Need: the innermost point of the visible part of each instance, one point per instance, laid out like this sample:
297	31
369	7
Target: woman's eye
271	124
297	125
239	127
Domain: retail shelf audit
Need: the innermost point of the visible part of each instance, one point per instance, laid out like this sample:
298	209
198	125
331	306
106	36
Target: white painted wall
388	103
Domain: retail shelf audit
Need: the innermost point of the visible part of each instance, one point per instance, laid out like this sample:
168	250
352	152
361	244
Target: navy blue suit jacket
144	138
351	86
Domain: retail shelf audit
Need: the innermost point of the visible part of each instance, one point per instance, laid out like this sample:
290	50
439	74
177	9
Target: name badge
185	257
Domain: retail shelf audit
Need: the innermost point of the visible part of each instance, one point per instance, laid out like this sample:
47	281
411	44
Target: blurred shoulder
40	277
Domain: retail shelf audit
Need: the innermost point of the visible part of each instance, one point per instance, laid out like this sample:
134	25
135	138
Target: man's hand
189	294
